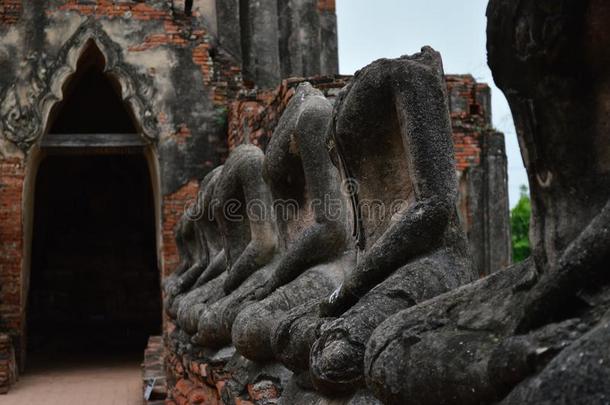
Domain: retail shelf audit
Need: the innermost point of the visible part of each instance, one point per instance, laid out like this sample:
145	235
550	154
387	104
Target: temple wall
176	73
168	74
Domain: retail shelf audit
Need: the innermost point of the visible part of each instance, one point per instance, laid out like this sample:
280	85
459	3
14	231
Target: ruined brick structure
482	173
481	169
398	316
193	88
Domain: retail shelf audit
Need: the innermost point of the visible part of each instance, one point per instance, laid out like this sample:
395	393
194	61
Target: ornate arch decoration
27	104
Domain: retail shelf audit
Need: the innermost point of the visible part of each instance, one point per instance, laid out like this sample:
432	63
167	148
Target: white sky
370	30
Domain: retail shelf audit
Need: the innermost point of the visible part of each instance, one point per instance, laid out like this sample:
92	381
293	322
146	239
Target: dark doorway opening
94	278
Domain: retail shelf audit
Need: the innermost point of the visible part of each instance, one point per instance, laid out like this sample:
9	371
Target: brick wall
8	366
326	5
10	11
173	208
482	174
11	186
177	32
197	382
221	73
12	176
109	8
253	117
469	105
227	79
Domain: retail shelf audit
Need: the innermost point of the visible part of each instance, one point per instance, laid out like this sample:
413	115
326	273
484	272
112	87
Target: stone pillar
229	31
260	42
499	254
489	222
300	38
329	57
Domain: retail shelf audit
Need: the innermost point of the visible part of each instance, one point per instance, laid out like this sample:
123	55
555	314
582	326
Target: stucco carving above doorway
25	105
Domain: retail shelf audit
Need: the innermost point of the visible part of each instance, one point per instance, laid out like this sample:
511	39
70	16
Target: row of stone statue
348	297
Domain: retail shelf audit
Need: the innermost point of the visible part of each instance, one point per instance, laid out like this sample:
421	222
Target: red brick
182	400
184	387
173	208
263	390
219	386
12	175
326	5
239	401
204	395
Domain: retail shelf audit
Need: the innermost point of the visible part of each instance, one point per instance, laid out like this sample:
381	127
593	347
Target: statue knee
181	315
283	344
251	332
291	341
207	329
188	317
380	379
167	307
336	363
169	283
172	305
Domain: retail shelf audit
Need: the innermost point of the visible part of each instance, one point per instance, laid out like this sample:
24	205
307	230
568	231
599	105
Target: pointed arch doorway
94	273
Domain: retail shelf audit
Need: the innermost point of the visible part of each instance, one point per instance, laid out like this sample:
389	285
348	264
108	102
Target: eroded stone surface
311	215
208	286
387	123
197	240
244	213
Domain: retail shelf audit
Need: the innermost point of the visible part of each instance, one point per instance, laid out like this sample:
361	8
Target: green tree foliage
520	224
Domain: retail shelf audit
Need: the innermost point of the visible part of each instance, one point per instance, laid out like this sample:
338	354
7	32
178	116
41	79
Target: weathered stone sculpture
537	332
244	213
193	260
393	137
194	248
208	287
184	254
311	214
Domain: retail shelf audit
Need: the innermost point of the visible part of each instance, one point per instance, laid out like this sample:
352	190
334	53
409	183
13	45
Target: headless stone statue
194	258
184	255
208	287
243	210
393	136
311	214
537	332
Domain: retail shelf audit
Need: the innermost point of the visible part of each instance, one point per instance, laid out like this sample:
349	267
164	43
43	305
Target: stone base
295	394
194	381
226	377
213	381
220	377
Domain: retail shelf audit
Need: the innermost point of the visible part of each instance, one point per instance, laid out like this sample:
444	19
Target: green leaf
520	224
